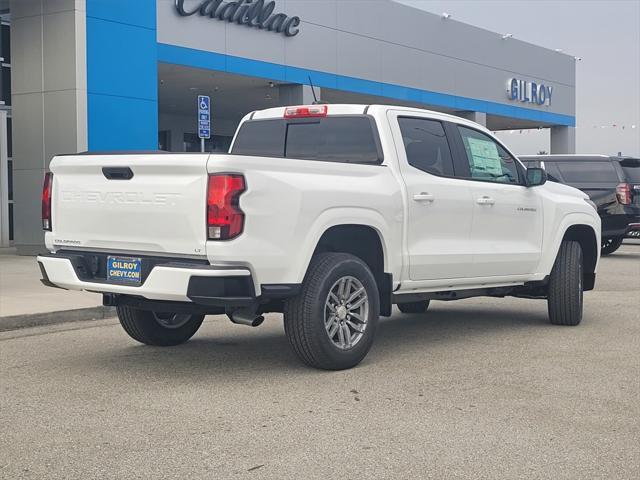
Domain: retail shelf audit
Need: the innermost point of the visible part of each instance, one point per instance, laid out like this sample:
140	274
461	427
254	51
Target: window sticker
484	156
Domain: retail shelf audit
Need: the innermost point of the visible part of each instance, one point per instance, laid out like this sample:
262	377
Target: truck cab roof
362	109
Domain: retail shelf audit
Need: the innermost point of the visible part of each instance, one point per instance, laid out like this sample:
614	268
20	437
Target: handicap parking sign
204	116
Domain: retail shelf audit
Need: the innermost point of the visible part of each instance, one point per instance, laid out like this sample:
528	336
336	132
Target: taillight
225	220
310	111
623	192
47	188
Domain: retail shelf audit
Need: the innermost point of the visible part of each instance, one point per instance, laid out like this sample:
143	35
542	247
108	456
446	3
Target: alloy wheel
346	312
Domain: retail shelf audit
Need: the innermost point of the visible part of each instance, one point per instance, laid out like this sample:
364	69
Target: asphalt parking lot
481	388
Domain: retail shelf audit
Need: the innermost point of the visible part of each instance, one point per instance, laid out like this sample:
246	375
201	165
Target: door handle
424	197
484	200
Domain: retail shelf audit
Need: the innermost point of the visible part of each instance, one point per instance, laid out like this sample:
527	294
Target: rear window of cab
340	138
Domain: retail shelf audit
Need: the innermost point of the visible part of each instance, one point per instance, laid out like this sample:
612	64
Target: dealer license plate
124	270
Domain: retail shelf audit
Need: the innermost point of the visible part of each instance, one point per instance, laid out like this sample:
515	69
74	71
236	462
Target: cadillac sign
252	13
529	92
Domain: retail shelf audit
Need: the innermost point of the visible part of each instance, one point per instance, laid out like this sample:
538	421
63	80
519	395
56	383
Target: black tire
565	299
610	245
305	315
145	326
414	307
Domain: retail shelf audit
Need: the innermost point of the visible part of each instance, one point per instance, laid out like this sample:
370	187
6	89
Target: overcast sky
605	34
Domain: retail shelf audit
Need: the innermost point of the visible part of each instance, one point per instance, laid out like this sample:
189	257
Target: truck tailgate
160	209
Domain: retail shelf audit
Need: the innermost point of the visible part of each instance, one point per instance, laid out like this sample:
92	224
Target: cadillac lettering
252	13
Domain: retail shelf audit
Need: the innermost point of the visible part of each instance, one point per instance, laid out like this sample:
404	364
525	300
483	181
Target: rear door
438	205
151	203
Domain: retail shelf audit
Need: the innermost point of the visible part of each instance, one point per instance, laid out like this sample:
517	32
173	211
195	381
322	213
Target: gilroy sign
252	13
529	92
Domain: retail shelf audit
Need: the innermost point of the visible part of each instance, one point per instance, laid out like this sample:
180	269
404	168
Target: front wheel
156	328
332	322
610	245
565	299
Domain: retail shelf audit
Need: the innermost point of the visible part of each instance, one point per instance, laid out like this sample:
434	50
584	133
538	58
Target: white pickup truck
329	214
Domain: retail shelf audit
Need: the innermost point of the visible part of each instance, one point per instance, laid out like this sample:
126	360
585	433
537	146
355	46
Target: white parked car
329	214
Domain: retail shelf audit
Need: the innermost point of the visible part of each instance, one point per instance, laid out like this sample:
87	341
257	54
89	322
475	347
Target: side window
488	160
588	172
552	172
426	145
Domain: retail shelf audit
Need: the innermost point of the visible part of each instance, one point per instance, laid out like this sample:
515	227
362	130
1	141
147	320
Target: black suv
612	183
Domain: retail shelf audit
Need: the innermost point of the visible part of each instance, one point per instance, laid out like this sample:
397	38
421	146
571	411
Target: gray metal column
49	101
478	117
563	140
4	181
297	94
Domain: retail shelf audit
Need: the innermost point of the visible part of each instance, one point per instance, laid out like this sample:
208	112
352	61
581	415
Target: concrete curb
53	318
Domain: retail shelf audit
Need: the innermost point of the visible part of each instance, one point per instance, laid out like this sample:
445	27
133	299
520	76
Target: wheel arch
586	236
365	242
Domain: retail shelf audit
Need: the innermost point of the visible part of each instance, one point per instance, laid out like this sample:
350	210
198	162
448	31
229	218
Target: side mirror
536	176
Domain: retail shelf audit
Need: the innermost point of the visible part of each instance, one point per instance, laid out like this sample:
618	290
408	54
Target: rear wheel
565	299
414	307
332	322
158	328
610	245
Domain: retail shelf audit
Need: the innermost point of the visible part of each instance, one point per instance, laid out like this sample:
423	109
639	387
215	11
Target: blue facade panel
140	13
123	61
121	123
122	75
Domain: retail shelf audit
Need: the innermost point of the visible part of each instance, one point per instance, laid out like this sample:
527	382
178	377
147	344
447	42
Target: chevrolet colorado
329	214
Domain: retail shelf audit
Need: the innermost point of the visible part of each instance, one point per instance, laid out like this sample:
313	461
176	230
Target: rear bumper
168	284
618	225
170	281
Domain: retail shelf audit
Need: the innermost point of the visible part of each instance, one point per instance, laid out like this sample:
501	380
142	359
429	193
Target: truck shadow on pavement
252	353
622	256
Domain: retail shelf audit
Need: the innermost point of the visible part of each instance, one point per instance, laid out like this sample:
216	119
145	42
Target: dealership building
115	75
